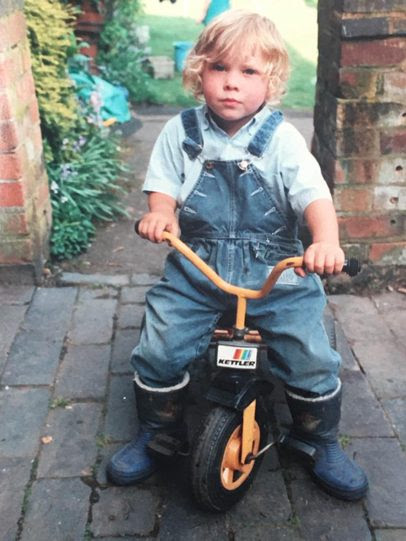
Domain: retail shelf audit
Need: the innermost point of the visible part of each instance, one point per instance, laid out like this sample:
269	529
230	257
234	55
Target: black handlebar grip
137	223
352	266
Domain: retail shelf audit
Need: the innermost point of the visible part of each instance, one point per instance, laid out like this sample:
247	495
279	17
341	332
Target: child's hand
154	223
323	258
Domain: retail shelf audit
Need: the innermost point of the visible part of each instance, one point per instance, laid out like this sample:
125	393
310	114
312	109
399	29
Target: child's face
234	89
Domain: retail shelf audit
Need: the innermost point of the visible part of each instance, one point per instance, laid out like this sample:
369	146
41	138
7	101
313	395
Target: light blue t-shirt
287	165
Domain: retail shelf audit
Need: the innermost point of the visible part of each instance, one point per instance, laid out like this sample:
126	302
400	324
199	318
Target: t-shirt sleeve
166	165
301	174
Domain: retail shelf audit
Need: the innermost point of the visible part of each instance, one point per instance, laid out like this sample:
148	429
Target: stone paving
66	404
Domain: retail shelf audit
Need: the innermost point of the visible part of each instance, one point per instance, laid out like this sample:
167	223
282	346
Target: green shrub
52	42
122	51
82	157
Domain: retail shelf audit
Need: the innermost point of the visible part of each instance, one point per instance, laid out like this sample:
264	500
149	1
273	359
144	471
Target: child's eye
250	71
218	67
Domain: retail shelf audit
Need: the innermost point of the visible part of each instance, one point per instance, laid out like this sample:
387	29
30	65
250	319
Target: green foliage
312	3
84	189
52	41
82	159
122	51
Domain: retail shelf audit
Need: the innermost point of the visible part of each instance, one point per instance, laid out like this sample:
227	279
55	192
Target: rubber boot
160	411
314	432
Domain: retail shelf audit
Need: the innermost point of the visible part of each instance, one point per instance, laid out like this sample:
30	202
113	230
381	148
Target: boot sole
122	480
346	495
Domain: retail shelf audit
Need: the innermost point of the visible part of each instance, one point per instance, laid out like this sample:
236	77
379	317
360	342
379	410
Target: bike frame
242	294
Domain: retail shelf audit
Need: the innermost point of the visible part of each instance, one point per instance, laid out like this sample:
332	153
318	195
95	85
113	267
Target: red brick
363	227
355	142
348	199
6	110
382	52
16	251
364	171
394	84
33	111
358	83
10	69
14	224
388	252
25	88
11	194
8	136
393	142
12	30
11	166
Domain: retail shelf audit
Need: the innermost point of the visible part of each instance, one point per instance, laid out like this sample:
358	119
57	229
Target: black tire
207	457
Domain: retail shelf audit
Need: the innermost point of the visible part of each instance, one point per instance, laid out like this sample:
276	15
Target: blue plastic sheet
111	100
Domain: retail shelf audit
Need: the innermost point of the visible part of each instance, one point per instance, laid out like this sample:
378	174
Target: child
242	179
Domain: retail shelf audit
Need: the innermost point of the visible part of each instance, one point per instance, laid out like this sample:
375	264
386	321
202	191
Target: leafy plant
123	49
84	189
82	157
52	42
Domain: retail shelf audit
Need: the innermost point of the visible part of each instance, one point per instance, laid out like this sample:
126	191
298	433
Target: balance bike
230	444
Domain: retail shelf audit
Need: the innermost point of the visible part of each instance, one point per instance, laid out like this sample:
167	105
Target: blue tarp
113	98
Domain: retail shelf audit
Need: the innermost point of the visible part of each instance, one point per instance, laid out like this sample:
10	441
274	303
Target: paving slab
72	451
22	413
14	476
130	316
385	464
57	510
14	294
181	519
121	420
93	322
320	516
124	343
11	318
83	372
361	414
125	512
96	279
374	343
396	410
133	294
35	352
390	535
96	292
392	307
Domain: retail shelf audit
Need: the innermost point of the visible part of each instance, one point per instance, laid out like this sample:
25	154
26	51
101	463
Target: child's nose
231	80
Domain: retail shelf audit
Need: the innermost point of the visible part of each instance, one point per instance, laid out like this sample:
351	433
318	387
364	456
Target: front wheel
218	478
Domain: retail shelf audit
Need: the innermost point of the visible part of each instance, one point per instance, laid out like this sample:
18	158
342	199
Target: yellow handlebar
241	293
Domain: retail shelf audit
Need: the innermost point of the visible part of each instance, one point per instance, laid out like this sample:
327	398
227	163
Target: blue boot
314	433
160	411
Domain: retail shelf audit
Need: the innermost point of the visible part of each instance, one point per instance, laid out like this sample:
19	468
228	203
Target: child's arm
324	255
161	217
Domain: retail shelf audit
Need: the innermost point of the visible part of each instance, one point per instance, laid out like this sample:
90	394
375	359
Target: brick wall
360	123
25	213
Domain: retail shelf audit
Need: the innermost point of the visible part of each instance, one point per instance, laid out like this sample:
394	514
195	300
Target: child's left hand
323	258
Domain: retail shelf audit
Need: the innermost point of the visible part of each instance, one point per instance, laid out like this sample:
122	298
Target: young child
242	179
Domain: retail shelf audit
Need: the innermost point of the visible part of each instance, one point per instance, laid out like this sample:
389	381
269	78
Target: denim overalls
231	221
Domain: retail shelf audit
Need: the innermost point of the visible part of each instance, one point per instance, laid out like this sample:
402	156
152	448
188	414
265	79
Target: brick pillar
360	123
25	211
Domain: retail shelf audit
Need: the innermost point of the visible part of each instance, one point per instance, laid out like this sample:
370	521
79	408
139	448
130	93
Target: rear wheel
218	478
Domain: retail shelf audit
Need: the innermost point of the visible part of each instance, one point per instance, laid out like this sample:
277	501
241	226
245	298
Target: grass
164	31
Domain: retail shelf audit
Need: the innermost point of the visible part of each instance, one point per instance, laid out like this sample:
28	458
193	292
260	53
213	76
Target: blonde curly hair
226	36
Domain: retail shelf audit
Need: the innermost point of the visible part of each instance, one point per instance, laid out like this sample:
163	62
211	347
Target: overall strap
193	142
262	138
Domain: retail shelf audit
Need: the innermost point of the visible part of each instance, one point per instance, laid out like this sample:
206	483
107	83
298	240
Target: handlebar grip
352	266
137	223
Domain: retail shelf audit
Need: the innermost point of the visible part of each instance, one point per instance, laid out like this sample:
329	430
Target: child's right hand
154	223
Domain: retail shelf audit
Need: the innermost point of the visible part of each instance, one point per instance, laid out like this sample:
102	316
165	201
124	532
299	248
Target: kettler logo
234	357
